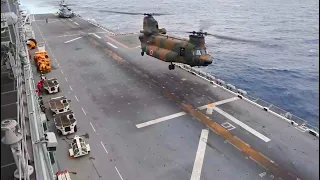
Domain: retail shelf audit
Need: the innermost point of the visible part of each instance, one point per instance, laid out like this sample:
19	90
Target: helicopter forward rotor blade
132	13
118	12
71	4
66	5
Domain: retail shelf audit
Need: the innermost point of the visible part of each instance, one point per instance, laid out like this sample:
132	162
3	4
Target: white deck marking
72	40
76	98
71	88
58	64
76	23
197	166
241	124
7	165
70	19
92	126
104	147
52	21
228	126
107	30
66	79
226	101
66	35
118	172
220	102
61	71
112	45
148	123
262	174
9	92
95	35
155	121
101	32
9	104
83	111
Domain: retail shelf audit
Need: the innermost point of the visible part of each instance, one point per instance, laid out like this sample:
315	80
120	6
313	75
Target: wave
276	69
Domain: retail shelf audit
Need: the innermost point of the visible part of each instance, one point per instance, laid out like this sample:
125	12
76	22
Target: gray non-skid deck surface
109	100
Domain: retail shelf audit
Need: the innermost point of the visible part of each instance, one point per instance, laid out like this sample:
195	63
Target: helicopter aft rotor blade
221	36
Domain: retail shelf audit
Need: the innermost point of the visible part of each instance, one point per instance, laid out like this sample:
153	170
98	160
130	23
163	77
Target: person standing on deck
40	85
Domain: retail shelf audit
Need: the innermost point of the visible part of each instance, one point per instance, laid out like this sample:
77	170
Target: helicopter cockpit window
199	52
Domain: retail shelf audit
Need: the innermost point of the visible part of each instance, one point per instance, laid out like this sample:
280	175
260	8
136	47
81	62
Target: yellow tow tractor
42	59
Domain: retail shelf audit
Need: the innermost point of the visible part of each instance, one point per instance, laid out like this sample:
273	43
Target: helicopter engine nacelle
162	31
141	37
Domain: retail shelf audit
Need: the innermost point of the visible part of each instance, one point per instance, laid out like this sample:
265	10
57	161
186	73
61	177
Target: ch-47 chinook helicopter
156	43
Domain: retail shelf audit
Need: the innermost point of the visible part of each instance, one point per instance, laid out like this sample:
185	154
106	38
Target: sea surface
284	70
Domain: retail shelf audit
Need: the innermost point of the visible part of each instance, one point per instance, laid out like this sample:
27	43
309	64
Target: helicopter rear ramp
143	121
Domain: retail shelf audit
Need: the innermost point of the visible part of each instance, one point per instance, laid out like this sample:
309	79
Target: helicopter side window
198	52
182	50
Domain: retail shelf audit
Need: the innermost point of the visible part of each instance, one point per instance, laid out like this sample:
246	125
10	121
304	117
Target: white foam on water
39	6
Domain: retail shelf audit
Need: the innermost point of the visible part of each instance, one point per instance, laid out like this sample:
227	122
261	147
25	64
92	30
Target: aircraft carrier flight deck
144	121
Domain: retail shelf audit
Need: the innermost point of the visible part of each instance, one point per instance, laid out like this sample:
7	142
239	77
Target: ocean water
284	70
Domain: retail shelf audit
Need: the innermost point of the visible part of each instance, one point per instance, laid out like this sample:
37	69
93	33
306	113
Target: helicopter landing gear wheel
171	67
142	53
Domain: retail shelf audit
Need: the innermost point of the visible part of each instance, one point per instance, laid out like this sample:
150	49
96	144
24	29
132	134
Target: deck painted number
262	174
228	126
